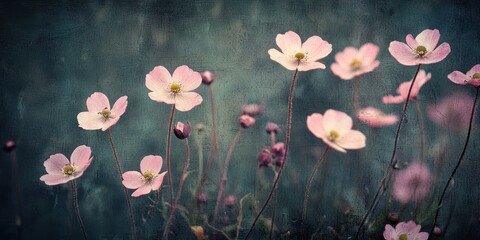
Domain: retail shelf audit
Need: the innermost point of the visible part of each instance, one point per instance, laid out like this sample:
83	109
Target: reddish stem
169	172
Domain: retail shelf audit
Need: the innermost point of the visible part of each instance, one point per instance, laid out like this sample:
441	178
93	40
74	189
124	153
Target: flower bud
202	198
199	127
264	158
253	109
10	145
229	201
437	231
207	77
271	128
393	217
246	121
181	130
278	149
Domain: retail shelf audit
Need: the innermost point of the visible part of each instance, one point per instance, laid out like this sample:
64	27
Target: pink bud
246	121
229	201
207	77
271	128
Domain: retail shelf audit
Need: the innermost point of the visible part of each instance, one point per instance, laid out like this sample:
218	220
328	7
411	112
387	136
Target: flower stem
77	208
287	143
458	162
356	100
272	236
18	220
421	129
169	173
133	229
384	182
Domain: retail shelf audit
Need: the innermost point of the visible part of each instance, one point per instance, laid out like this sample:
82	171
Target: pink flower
246	121
402	90
420	50
253	109
352	62
452	112
335	129
403	231
149	179
207	77
60	170
175	89
295	54
472	77
99	115
413	183
375	118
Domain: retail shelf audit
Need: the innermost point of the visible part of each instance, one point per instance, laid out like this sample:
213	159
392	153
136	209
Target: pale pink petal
346	57
336	121
151	163
307	66
55	163
157	182
97	102
458	77
81	157
284	60
407	227
90	120
185	101
162	96
368	68
376	118
109	122
352	140
341	72
158	79
289	42
188	78
333	145
145	189
422	236
428	38
389	232
440	53
132	179
367	53
314	124
402	53
119	107
50	179
390	99
473	70
316	48
412	43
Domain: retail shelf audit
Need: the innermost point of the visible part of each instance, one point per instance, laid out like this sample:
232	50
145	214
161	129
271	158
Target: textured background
54	55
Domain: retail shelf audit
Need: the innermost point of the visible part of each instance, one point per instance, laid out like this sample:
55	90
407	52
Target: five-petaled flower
335	129
60	170
472	77
352	62
297	55
413	183
420	50
402	90
99	114
148	179
375	118
404	231
176	88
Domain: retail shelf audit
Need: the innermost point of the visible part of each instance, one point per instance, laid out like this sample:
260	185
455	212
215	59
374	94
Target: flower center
175	87
421	51
299	56
356	64
403	236
105	113
333	136
69	170
148	176
476	75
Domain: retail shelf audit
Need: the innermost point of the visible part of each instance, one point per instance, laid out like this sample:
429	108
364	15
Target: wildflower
404	231
60	170
472	77
402	90
149	179
412	184
271	128
230	201
264	157
181	130
452	111
202	198
352	62
335	129
420	50
253	109
207	77
246	121
297	55
176	88
375	118
99	114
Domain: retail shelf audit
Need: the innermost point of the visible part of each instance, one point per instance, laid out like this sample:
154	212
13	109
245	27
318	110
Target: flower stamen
148	176
69	170
175	88
403	236
333	136
355	64
476	76
299	56
106	114
421	51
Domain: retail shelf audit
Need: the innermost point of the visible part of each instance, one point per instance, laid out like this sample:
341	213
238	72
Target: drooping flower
375	118
452	112
181	130
295	54
335	129
148	179
246	121
60	170
413	183
271	128
404	231
352	62
421	49
253	109
472	77
176	88
402	90
99	114
207	77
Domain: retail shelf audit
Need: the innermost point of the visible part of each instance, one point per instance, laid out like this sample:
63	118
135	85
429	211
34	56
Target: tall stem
421	129
309	184
287	143
169	173
383	183
77	208
272	224
458	162
18	220
356	100
133	228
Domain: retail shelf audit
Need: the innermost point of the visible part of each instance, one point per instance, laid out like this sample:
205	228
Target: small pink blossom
207	77
472	77
148	179
99	115
352	62
375	118
246	121
253	109
402	90
335	129
176	88
452	112
297	55
420	50
181	130
60	170
413	183
403	231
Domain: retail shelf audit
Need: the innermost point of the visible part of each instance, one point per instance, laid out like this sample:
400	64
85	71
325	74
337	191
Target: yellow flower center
148	176
476	75
175	87
69	170
299	56
105	113
403	236
333	136
356	64
421	51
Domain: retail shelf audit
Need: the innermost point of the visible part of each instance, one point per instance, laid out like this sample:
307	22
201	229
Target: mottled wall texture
54	54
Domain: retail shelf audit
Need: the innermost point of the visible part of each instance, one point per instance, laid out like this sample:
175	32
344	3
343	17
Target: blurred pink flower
335	129
472	77
207	77
420	50
149	179
253	109
413	183
295	54
246	121
60	170
352	62
176	88
404	231
99	115
453	111
402	90
375	118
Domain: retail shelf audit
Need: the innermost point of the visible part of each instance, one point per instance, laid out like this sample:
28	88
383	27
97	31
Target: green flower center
175	87
105	113
356	64
476	75
69	170
148	176
300	56
403	236
333	136
421	50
